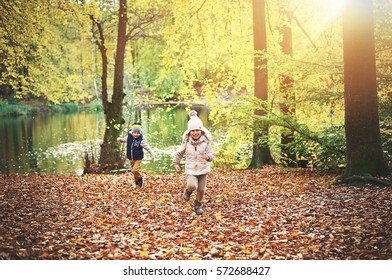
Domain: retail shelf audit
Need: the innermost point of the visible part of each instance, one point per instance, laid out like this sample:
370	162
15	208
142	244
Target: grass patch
14	110
66	108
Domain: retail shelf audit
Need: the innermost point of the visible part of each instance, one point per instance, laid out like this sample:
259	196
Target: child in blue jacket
135	146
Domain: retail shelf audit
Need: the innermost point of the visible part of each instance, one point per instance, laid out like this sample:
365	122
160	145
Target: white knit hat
194	121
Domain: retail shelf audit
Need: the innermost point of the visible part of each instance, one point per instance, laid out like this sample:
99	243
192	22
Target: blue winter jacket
134	147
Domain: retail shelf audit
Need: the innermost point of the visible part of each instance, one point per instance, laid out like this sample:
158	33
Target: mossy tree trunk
110	157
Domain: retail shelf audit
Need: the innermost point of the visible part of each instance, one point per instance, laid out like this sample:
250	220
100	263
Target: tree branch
304	31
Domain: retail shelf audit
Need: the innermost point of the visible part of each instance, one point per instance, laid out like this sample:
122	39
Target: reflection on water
56	143
47	143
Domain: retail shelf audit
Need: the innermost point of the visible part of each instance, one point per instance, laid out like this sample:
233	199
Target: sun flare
325	12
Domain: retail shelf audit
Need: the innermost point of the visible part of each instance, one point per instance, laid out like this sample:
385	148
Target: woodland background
81	53
197	52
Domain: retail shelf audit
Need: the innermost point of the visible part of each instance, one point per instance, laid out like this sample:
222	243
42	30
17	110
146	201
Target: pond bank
15	110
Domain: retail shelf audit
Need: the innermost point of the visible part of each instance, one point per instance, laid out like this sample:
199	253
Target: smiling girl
197	149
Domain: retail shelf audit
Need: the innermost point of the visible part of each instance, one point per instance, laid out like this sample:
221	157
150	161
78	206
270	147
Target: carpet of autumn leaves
270	213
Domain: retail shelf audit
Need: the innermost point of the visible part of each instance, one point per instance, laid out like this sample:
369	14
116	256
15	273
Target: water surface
57	143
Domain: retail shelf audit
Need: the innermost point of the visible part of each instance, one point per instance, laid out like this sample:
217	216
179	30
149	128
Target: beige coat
193	151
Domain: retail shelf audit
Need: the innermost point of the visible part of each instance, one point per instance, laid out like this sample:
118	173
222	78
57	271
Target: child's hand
206	157
177	167
152	159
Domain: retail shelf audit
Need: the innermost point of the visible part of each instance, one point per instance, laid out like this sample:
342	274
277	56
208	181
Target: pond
57	143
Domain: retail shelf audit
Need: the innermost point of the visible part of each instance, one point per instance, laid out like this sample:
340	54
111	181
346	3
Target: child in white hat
197	148
135	146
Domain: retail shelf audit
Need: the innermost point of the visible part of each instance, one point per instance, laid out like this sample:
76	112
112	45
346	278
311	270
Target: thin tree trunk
261	152
288	158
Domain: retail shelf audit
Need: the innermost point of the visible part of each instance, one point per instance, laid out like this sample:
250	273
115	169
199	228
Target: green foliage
3	102
383	35
71	107
95	106
148	74
10	107
234	132
65	108
13	110
386	126
324	149
231	153
386	137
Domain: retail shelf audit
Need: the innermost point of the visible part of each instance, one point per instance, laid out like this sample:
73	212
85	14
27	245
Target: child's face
196	133
135	134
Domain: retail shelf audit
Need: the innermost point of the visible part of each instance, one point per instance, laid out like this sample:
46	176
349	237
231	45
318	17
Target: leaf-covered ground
271	213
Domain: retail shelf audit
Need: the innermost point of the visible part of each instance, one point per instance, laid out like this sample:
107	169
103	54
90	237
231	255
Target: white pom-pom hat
196	123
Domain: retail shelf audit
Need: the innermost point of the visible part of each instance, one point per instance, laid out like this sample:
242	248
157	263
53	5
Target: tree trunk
261	152
110	157
365	156
288	158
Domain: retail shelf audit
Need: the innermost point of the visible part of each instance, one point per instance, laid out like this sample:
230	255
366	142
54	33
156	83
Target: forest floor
270	213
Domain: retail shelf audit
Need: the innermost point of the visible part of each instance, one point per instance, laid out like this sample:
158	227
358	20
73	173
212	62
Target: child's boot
187	195
139	182
198	209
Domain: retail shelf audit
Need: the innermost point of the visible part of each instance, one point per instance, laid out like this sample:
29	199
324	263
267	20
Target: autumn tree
210	45
133	23
261	152
22	39
20	48
38	57
365	156
287	103
113	110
